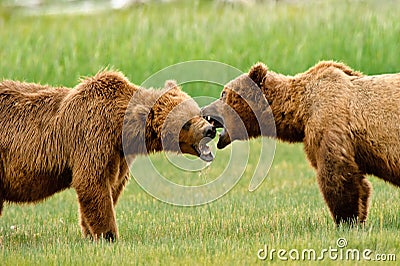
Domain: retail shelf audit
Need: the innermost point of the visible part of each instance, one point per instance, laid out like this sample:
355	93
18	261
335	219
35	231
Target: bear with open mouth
347	121
52	139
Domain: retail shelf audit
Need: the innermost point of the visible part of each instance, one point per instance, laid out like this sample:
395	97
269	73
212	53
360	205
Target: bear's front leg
345	189
119	187
122	179
84	226
97	212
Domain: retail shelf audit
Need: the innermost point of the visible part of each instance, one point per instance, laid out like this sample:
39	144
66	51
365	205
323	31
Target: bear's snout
212	115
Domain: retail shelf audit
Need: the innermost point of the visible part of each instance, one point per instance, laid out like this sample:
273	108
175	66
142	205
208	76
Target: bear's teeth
203	149
208	118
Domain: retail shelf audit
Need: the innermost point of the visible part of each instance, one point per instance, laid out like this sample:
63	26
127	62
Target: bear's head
242	110
166	120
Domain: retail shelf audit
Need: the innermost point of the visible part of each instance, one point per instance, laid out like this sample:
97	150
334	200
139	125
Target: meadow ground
286	212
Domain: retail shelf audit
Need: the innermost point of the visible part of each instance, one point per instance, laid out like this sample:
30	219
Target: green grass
286	212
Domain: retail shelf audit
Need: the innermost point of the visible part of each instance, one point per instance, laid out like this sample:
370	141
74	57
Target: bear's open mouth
203	150
216	121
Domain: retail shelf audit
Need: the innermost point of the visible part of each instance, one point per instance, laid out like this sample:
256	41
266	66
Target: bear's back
29	98
27	108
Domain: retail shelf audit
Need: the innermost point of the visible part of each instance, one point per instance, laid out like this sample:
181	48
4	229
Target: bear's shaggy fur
55	138
348	122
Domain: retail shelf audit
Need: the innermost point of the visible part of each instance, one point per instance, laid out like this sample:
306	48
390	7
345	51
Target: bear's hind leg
365	192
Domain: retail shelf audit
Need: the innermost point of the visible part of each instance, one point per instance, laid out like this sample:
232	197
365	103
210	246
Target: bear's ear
257	73
171	84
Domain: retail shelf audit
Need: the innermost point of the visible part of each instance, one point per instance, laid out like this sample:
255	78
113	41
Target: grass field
286	212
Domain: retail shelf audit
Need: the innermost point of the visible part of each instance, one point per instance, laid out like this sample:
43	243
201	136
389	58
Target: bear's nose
209	132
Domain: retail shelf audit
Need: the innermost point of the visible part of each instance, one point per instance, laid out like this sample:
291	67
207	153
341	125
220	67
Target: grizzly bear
56	138
347	121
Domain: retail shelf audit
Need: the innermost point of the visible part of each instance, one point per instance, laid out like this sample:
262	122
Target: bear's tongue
205	151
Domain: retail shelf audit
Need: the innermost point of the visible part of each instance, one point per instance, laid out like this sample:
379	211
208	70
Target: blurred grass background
287	211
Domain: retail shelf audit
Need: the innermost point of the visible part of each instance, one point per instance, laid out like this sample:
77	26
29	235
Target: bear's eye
187	125
223	94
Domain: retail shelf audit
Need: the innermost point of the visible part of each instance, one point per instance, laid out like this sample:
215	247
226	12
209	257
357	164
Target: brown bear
347	121
56	138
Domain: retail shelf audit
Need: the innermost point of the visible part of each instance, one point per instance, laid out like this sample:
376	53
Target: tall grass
142	40
286	212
